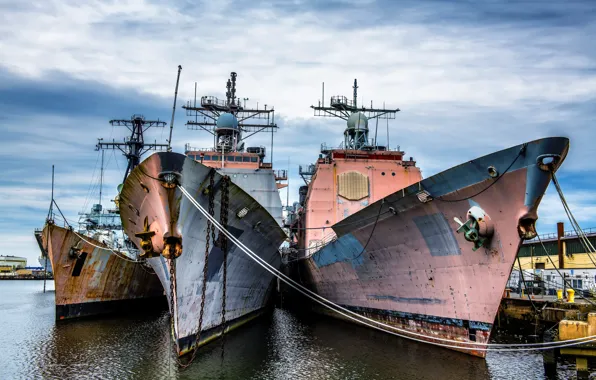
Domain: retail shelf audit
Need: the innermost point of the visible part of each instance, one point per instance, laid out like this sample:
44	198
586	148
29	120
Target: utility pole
47	255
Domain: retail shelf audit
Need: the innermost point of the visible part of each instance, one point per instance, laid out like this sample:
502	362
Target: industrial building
14	262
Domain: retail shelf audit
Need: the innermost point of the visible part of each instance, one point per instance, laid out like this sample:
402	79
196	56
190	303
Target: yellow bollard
559	294
570	295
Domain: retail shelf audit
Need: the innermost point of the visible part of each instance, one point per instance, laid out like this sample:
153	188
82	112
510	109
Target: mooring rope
116	253
580	233
461	345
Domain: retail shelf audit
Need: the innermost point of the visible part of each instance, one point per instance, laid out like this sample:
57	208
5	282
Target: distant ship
240	190
97	270
45	263
43	259
430	256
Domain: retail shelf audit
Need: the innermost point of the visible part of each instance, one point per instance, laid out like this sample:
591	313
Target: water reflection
281	345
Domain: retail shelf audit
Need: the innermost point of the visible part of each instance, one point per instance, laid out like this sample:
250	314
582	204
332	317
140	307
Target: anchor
75	250
146	243
478	229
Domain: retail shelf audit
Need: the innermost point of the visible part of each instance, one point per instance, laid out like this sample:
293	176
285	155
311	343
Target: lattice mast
356	135
229	121
134	146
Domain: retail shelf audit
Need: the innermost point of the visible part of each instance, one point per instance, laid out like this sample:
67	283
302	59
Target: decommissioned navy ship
96	268
430	256
211	285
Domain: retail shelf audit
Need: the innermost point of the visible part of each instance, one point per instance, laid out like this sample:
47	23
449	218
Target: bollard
559	294
570	295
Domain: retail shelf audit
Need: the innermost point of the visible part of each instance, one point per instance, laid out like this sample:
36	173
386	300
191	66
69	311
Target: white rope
578	230
324	302
117	254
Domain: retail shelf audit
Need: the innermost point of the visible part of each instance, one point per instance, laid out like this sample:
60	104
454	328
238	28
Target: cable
90	184
557	269
371	232
117	254
289	281
324	302
521	151
582	236
524	281
554	284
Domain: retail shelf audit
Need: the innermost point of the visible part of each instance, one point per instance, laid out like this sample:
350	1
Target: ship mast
356	133
100	185
229	121
134	146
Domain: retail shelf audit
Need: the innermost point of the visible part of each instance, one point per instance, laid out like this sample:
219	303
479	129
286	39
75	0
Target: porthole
382	173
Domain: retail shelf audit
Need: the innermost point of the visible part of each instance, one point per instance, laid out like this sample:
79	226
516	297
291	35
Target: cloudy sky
469	77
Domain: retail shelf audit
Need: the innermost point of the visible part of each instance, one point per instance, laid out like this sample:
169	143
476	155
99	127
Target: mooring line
324	302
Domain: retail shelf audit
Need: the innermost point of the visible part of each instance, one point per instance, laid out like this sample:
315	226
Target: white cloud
139	44
582	203
465	88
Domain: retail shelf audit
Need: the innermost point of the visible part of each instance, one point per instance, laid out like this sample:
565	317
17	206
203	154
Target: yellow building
541	263
14	262
536	256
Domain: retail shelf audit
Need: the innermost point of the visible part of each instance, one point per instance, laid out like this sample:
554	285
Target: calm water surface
282	345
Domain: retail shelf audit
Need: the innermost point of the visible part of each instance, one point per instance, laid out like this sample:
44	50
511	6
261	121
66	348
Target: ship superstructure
231	123
429	256
211	286
357	173
97	270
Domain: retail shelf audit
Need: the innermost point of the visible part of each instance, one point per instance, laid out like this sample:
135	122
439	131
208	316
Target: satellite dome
357	120
227	121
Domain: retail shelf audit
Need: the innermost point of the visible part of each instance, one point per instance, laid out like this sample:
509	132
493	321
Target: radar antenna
229	131
134	146
356	134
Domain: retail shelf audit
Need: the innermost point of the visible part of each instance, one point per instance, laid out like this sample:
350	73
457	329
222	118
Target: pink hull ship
428	256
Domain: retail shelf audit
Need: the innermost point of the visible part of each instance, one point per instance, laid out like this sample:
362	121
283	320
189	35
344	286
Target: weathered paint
348	249
437	234
170	212
104	284
415	253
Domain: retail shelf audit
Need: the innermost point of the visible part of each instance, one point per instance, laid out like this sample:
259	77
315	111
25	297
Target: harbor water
281	345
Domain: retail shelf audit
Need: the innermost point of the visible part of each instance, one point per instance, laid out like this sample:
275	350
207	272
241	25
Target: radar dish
226	121
358	120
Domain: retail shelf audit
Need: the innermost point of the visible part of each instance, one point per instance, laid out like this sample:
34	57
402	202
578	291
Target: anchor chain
209	234
172	311
223	244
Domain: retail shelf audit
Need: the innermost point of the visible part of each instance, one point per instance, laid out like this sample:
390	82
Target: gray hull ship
212	286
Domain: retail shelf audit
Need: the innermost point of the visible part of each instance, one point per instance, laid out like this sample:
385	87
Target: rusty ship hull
402	261
173	218
95	281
